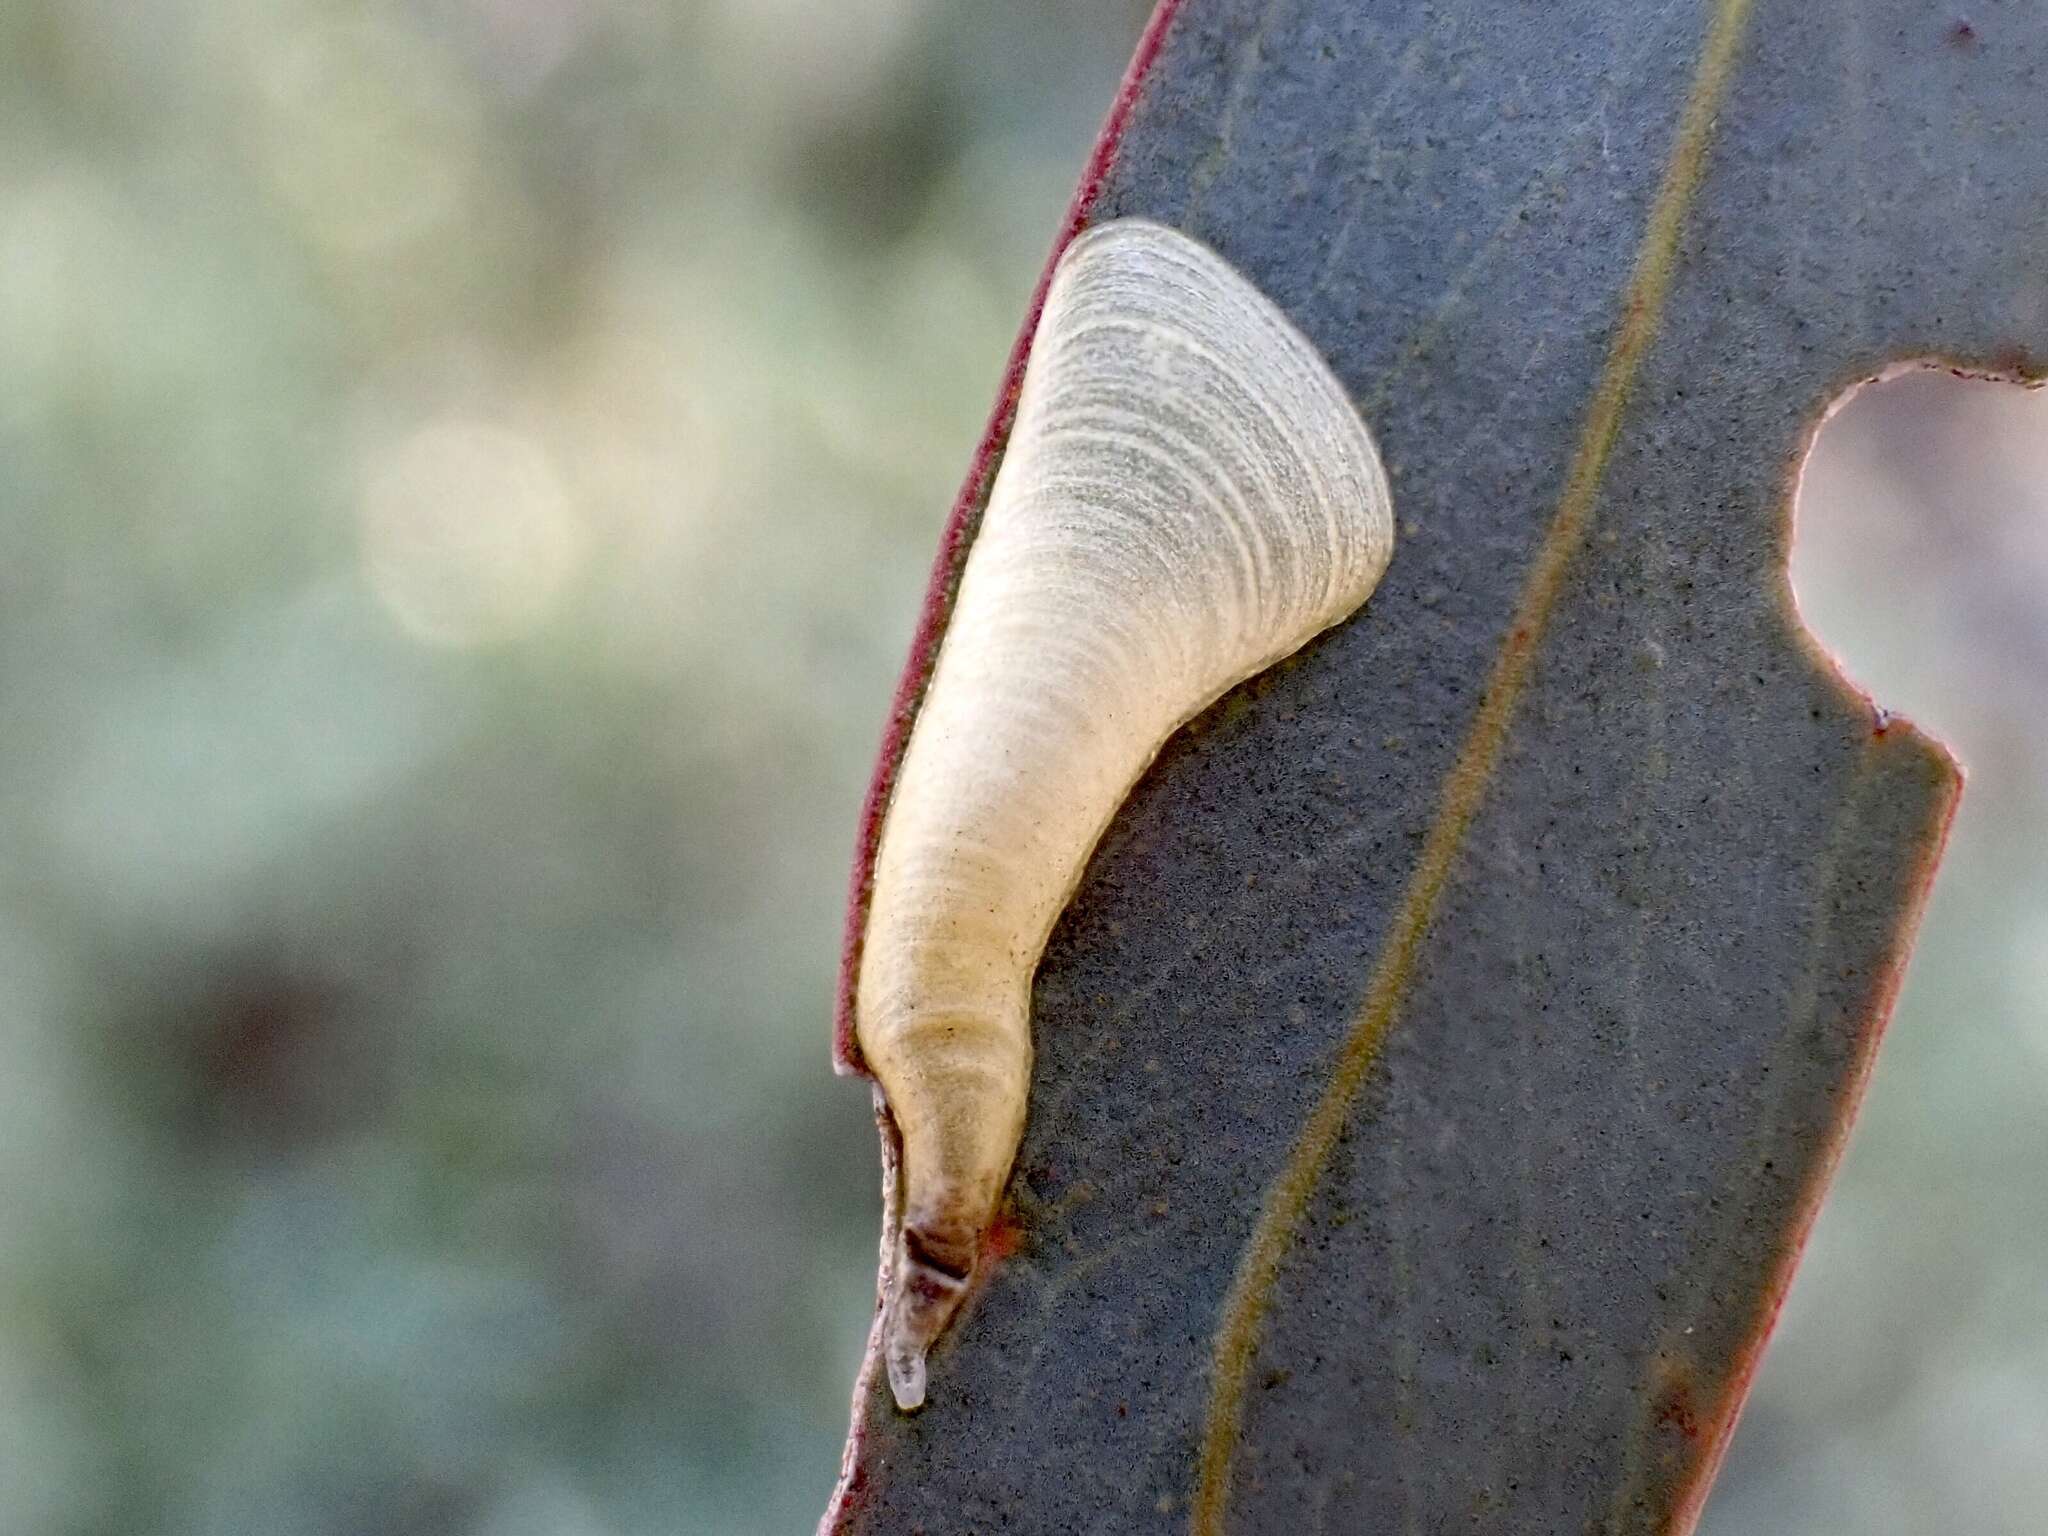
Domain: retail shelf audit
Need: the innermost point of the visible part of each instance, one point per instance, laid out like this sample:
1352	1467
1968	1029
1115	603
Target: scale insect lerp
1188	495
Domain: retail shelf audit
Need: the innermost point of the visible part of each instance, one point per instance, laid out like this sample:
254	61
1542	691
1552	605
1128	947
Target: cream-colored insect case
1188	495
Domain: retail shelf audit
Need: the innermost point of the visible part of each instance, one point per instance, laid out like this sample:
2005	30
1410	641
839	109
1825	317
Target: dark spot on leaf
1004	1236
1673	1386
2015	360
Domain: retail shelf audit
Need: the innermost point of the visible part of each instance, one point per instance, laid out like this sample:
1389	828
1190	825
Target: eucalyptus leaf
1450	1043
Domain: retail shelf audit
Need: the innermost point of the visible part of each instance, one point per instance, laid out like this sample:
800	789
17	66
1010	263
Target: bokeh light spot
469	538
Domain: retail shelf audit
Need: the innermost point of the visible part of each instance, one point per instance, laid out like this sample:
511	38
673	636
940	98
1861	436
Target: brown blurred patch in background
467	470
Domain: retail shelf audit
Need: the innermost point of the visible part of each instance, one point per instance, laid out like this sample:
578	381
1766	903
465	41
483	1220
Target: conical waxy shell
1188	495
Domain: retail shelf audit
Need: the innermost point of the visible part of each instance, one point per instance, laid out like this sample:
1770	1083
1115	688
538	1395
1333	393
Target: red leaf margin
954	540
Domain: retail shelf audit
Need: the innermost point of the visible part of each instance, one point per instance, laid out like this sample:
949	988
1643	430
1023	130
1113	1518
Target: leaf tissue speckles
1187	497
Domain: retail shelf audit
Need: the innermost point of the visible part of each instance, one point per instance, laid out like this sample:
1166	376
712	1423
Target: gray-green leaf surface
1454	1033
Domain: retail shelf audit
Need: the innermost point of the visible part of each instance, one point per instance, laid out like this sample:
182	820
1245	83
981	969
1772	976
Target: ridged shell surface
1188	495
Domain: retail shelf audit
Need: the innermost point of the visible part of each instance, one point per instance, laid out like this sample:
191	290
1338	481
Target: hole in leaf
1906	1387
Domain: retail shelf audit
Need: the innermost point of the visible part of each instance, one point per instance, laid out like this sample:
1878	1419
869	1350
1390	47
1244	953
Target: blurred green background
467	472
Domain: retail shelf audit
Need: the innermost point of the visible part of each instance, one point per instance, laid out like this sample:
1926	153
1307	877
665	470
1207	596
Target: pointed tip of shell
906	1374
923	1298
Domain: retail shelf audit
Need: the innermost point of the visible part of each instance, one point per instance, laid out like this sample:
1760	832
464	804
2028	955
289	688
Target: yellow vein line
1244	1308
